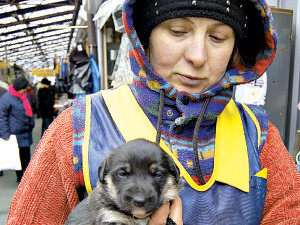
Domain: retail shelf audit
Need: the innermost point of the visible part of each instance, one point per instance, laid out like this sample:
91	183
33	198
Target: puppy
134	181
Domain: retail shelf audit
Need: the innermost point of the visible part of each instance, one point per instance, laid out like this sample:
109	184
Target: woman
186	56
16	118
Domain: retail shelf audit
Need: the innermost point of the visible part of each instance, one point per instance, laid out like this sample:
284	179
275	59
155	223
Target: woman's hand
172	210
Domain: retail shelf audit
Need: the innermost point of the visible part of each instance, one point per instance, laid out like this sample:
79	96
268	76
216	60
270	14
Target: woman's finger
176	211
159	217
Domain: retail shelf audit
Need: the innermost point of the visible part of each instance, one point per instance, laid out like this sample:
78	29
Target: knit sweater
47	193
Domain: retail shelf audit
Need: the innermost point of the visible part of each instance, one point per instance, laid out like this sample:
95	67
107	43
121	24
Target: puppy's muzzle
140	198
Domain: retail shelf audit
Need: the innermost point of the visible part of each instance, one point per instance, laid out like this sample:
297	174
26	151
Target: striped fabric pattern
78	126
262	118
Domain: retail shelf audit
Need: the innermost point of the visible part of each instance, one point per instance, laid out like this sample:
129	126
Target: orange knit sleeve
47	193
282	204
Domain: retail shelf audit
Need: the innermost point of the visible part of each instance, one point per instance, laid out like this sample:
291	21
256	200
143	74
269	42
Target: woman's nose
196	52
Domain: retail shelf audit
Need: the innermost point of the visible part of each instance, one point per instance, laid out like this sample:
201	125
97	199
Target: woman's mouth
190	80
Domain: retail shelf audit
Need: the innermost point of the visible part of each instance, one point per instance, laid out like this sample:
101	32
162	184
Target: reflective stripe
85	145
263	173
231	155
255	122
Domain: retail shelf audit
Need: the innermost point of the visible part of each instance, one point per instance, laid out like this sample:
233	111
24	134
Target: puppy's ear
102	170
174	169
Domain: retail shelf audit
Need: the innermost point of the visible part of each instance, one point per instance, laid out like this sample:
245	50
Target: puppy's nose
139	201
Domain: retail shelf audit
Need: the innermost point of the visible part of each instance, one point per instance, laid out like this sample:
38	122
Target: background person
16	117
46	103
186	57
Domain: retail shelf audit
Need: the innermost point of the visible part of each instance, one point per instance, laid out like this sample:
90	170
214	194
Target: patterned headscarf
257	56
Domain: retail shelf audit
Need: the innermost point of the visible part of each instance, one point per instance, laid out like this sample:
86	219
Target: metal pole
295	94
6	72
100	55
104	52
92	36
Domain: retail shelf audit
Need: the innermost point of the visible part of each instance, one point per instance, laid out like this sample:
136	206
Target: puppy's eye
122	174
158	175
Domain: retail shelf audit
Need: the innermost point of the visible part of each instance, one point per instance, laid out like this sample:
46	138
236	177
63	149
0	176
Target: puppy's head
139	177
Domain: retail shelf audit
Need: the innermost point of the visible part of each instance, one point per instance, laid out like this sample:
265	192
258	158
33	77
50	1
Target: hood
256	55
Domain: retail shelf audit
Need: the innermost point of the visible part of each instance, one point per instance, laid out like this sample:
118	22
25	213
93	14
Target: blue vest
235	194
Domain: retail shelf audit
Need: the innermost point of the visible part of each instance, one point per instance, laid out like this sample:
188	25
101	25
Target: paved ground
8	182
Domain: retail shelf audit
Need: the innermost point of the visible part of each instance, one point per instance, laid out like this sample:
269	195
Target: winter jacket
13	119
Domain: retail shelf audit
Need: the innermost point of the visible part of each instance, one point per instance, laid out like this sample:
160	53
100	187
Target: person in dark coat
16	118
46	102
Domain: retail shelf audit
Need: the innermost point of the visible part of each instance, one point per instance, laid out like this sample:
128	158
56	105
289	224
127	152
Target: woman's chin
190	89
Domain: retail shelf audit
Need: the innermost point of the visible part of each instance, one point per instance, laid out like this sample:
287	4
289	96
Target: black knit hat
238	14
20	83
45	81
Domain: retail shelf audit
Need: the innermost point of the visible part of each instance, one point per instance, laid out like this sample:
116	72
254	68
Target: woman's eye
216	38
122	174
178	32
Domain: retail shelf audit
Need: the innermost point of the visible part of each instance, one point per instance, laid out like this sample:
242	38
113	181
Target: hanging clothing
122	73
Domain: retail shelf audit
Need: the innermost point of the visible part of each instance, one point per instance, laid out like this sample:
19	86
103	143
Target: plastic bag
9	154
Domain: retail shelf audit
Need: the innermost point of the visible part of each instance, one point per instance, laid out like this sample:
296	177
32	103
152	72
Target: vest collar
231	158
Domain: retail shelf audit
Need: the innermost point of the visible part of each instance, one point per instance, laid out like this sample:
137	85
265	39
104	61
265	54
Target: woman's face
191	53
22	91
